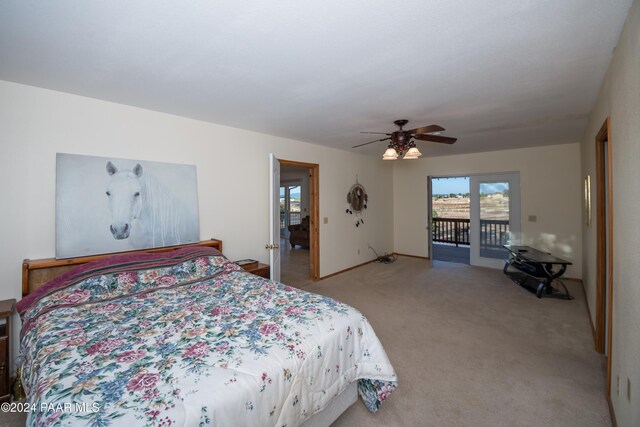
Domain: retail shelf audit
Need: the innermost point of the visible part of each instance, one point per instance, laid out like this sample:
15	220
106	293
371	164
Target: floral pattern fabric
195	342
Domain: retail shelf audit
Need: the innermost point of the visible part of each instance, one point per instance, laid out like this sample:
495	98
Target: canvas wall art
108	205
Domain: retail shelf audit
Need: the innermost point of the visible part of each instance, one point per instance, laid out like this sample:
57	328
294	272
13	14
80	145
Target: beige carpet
473	349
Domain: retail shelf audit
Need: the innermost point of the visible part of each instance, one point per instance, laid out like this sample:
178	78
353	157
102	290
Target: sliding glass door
495	217
289	207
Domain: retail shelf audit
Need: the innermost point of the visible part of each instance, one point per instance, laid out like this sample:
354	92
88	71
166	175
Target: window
290	206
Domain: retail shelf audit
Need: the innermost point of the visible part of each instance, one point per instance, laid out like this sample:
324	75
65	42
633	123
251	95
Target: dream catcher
357	202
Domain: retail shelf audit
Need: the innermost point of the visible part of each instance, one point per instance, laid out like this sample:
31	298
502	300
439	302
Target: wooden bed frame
37	272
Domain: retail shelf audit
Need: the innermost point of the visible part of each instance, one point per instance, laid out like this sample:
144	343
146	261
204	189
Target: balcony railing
294	218
493	232
451	230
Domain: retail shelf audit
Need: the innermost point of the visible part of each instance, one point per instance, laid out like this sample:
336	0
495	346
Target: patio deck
451	253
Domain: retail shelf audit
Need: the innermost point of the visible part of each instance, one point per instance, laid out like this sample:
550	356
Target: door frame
604	233
314	215
430	219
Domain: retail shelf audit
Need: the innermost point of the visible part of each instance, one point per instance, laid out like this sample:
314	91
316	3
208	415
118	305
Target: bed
188	338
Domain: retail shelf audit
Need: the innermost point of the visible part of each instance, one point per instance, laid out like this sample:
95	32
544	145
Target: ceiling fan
401	140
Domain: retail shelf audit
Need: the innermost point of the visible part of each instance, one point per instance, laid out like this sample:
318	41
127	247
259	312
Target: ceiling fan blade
370	142
435	138
427	129
378	133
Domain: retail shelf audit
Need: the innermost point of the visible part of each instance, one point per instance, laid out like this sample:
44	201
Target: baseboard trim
368	262
347	269
612	413
411	256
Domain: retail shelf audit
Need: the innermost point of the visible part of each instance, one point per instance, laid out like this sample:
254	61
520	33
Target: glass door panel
283	212
290	201
294	204
495	217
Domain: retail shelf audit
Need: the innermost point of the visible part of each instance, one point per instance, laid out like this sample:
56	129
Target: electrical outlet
533	218
628	389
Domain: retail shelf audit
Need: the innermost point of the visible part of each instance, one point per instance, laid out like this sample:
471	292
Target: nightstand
6	311
261	270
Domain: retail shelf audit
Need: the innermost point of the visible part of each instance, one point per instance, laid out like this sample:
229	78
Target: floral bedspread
190	339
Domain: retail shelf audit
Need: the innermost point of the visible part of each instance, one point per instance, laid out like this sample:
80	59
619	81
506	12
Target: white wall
620	99
233	192
550	188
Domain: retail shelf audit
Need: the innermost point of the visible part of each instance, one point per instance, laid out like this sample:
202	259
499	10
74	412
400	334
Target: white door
430	220
495	217
274	230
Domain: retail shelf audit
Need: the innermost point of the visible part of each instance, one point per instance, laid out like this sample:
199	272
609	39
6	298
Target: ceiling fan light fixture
401	141
413	153
390	154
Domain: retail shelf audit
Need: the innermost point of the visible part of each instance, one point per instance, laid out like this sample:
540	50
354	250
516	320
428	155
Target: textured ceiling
496	74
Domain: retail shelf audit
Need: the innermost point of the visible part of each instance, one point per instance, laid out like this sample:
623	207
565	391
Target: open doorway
450	210
298	223
472	217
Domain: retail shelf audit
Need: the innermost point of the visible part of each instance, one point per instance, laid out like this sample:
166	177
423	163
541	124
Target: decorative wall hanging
587	200
112	205
357	201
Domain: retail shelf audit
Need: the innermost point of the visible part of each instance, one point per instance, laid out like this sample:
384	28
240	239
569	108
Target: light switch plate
326	220
533	218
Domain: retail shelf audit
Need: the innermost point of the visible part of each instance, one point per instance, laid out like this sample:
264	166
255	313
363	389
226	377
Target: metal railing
294	218
493	232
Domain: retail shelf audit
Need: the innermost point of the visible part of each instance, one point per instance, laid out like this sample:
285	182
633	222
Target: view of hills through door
451	210
495	216
473	216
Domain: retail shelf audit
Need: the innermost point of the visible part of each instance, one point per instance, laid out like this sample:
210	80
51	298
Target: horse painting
143	209
134	205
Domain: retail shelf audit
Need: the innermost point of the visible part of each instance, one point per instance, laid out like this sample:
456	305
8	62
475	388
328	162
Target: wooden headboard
37	272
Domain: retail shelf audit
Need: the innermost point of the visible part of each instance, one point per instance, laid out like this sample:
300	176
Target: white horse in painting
145	210
125	199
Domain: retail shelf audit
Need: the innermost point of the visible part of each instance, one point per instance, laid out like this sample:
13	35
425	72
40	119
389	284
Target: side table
6	311
262	270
